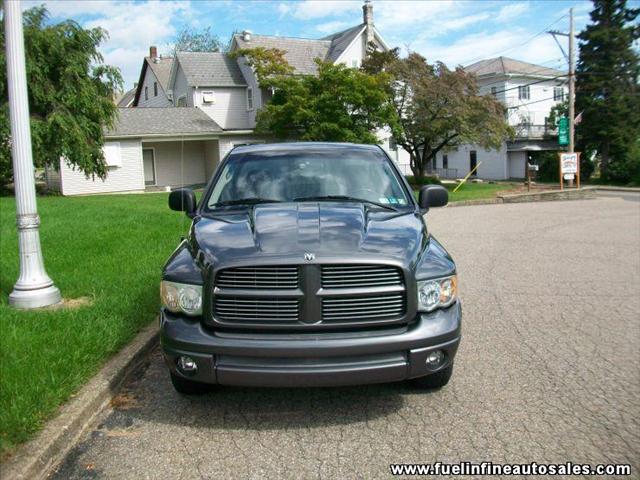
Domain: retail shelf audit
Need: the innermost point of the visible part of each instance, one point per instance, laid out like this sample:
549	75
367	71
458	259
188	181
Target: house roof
134	122
510	66
161	68
210	69
300	53
127	98
341	40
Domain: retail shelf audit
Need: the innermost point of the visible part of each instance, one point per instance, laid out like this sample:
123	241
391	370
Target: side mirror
183	200
433	196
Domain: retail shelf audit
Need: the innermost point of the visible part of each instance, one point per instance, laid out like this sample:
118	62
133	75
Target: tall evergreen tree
607	91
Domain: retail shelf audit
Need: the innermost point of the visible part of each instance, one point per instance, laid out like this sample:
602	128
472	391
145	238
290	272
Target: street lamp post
34	288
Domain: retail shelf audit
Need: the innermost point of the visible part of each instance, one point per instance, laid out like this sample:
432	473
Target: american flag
578	119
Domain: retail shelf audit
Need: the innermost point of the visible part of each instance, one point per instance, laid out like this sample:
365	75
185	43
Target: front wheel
435	380
188	387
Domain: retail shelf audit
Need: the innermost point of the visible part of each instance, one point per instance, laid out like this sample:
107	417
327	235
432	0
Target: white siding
517	164
211	157
493	167
229	110
52	178
178	164
252	82
226	143
128	177
357	51
154	101
181	88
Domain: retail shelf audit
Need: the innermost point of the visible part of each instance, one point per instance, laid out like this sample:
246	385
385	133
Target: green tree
71	95
339	104
189	40
436	108
607	91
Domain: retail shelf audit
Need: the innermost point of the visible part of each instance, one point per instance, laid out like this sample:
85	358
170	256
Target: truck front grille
259	278
310	296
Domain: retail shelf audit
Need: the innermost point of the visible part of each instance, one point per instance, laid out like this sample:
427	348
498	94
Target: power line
500	53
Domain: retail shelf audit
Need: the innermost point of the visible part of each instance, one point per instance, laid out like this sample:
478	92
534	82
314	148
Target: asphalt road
548	371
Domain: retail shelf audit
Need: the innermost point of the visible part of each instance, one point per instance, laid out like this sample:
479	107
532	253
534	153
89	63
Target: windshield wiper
345	197
246	201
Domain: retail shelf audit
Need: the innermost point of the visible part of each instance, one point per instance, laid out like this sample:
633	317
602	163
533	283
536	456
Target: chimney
246	35
153	52
367	19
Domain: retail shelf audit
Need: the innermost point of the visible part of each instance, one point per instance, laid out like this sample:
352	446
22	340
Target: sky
452	31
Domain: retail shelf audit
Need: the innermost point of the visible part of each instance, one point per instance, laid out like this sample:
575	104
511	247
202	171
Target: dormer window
208	97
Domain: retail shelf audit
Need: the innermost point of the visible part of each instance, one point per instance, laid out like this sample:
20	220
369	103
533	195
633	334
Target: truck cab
308	264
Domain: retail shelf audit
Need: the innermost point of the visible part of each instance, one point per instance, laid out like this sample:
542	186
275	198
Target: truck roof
297	146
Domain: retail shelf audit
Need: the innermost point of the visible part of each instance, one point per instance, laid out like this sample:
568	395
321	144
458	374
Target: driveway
548	371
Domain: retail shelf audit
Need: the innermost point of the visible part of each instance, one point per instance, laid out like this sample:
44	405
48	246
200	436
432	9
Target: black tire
435	380
185	386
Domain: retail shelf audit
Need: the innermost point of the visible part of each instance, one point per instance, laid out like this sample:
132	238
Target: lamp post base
41	297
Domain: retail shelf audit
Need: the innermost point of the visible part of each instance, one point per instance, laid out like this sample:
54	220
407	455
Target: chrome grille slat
350	276
256	310
362	309
263	278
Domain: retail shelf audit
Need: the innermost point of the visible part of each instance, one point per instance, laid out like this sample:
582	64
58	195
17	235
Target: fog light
435	359
187	365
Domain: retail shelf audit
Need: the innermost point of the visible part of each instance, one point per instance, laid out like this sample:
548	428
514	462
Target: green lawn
110	248
476	191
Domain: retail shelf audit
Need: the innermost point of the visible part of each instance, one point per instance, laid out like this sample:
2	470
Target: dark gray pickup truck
308	264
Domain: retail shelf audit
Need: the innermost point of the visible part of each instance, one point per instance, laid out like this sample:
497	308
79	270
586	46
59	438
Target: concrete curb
606	188
551	195
37	458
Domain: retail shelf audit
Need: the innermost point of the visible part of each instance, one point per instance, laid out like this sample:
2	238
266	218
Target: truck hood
326	229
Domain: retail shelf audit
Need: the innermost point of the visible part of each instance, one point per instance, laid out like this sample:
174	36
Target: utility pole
34	288
572	84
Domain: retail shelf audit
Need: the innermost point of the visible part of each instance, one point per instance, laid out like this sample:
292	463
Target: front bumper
312	359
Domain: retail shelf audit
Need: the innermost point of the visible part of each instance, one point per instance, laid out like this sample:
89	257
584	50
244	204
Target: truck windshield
313	175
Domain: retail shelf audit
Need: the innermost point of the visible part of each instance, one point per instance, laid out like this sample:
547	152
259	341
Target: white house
528	92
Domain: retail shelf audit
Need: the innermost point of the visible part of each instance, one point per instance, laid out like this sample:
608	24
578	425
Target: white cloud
511	11
483	45
332	27
311	9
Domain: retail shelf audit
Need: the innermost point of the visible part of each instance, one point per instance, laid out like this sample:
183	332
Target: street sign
568	163
563	131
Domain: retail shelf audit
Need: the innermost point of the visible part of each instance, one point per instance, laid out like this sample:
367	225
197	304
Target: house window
523	92
494	91
146	93
393	145
112	157
155	89
182	102
354	63
249	98
445	161
208	97
558	94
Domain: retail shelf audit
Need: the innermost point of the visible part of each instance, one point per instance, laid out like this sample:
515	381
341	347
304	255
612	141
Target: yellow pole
467	177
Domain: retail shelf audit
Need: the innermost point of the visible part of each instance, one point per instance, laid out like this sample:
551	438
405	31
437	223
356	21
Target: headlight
440	292
181	297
